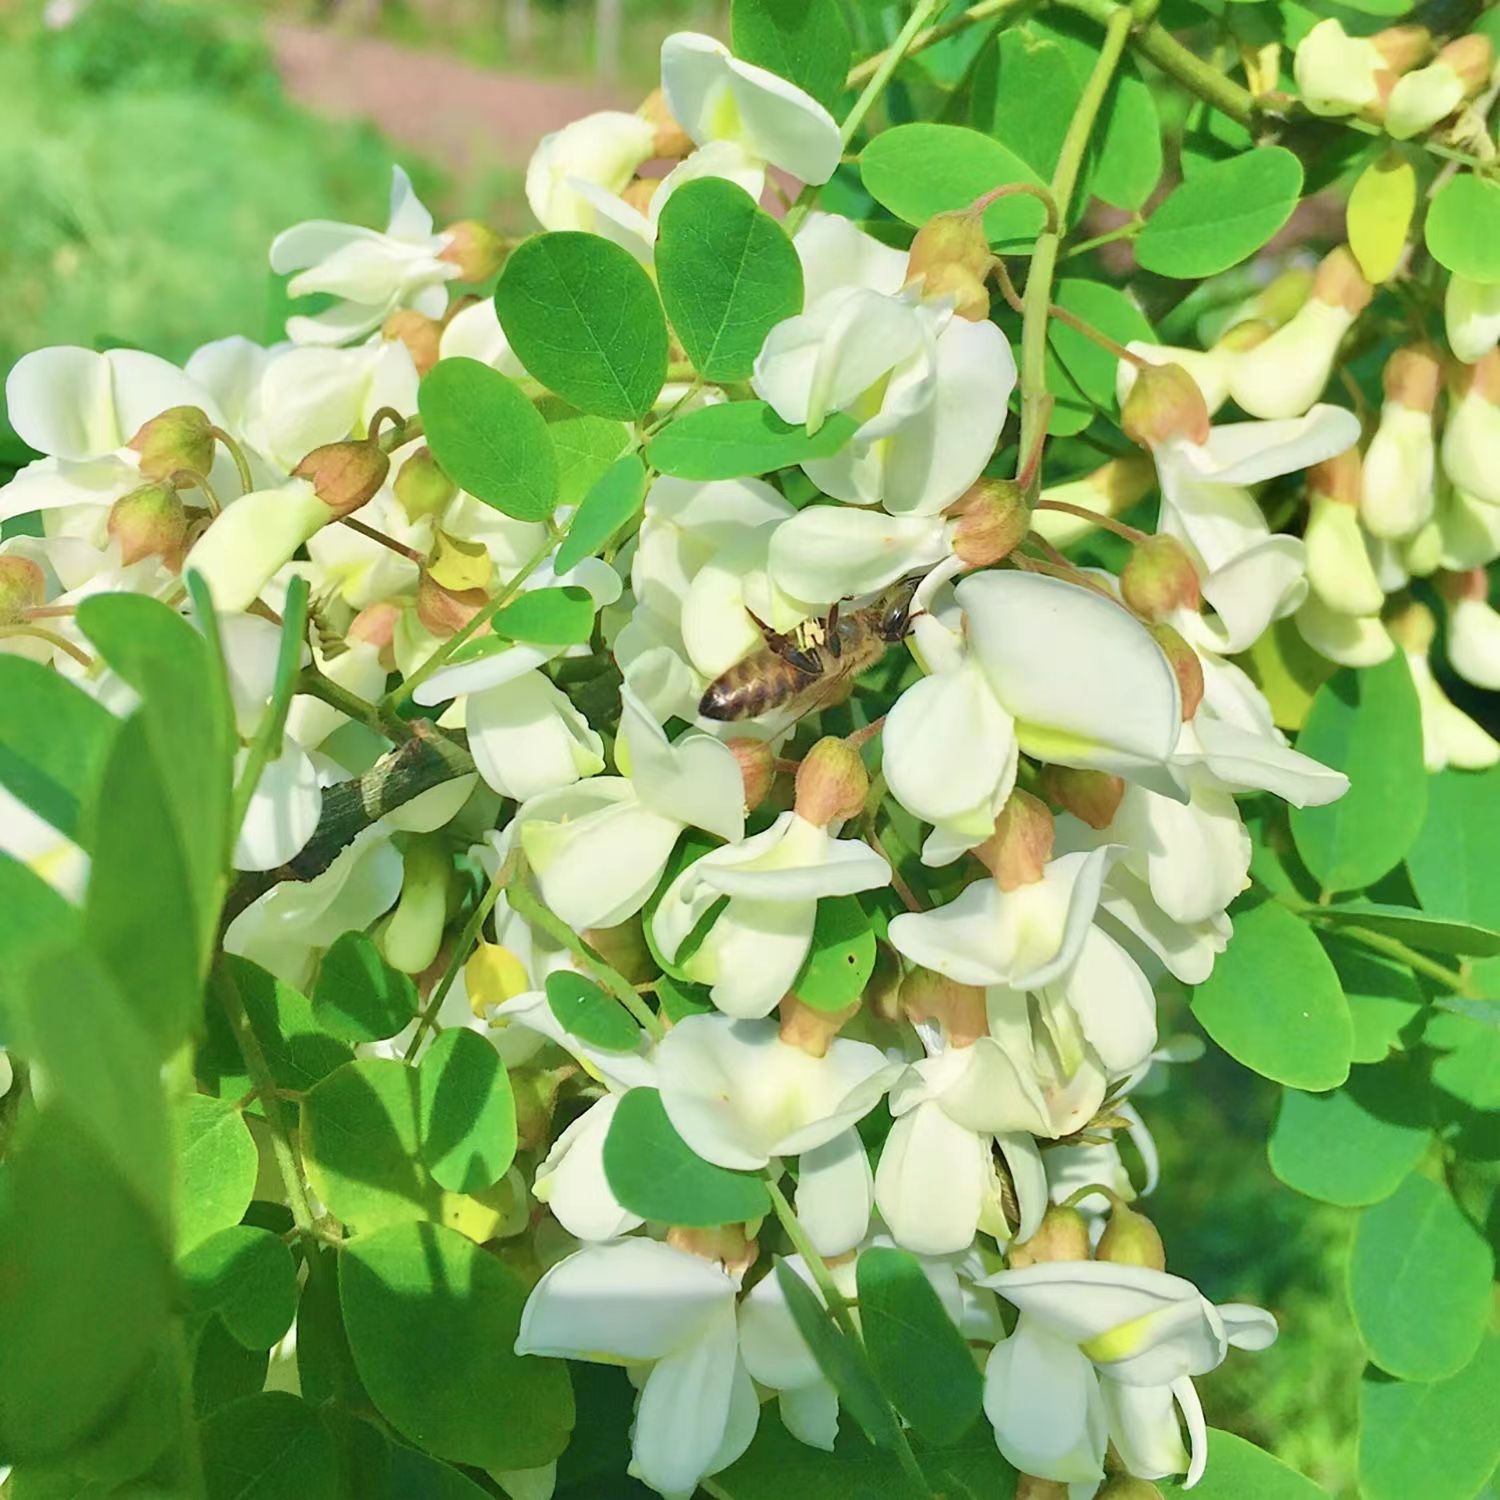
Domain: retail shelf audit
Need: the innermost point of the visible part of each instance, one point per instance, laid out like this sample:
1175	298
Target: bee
797	673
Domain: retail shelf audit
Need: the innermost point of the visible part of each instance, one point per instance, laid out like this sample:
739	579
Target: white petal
786	126
811	1414
1042	1398
526	737
836	1194
571	1180
283	811
829	552
930	1180
61	402
1143	1426
694	780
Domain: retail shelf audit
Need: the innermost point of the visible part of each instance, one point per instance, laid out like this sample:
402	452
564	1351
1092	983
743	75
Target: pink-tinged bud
958	1008
1016	853
1110	490
1338	282
375	625
1164	404
639	192
179	438
993	519
422	487
1159	577
1473	584
951	257
1029	1487
1185	665
150	522
344	475
474	248
624	947
1472	57
23	586
444	612
1062	1235
832	783
419	333
1130	1239
1336	479
810	1030
728	1244
757	769
672	141
1093	797
1413	377
1403	47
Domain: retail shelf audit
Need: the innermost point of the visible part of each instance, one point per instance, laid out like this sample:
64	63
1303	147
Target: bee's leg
805	659
831	631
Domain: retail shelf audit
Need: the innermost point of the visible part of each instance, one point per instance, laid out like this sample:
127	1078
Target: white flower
716	97
830	552
1471	312
601	150
649	1304
1471	438
754	949
1396	479
1336	72
1350	640
283	810
373	273
252	539
527	738
1449	736
928	389
1473	631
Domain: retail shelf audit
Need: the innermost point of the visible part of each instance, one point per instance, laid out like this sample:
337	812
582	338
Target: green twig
1126	231
986	10
1380	942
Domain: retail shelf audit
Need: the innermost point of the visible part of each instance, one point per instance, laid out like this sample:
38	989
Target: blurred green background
149	151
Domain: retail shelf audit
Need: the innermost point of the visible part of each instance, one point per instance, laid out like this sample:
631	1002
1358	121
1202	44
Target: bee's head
894	608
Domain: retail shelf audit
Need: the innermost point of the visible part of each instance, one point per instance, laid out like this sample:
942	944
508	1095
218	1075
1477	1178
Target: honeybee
798	673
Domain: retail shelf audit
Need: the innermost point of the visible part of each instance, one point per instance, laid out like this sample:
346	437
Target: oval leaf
467	1114
737	438
1273	1002
606	510
1238	1470
841	958
216	1167
1223	213
583	1009
808	45
272	1446
1379	215
584	319
358	995
548	617
488	438
1463	227
247	1277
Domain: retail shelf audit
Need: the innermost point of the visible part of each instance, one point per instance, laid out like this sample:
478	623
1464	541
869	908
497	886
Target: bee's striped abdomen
760	683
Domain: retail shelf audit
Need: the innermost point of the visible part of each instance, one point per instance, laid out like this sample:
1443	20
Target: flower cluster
1026	811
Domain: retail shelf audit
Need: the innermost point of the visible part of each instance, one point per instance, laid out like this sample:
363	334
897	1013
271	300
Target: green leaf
54	741
1419	1283
325	1367
737	438
614	499
246	1277
216	1167
1417	928
433	1321
1384	997
918	1355
728	275
358	996
1273	1001
842	1360
1439	1441
360	1145
1380	211
1355	1145
488	438
808	45
73	1234
1110	311
1221	215
586	446
548	617
584	319
297	1051
1367	725
224	1370
1463	227
272	1446
920	170
841	958
33	918
583	1009
1238	1470
1452	864
1468	1068
468	1115
654	1173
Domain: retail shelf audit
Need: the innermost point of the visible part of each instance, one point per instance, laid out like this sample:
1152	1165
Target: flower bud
419	333
254	537
672	141
1473	628
344	475
1396	485
1402	47
624	948
1062	1235
1471	311
474	248
179	438
958	1008
993	517
1470	529
639	192
149	522
375	625
1130	1239
1422	554
1016	853
1286	373
726	1243
23	586
1339	569
1185	665
1350	640
1110	490
1091	796
1029	1487
492	976
1471	440
811	1030
413	933
832	783
422	487
1449	736
1335	72
951	257
1159	577
1418	100
757	769
1164	404
444	612
1128	1487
